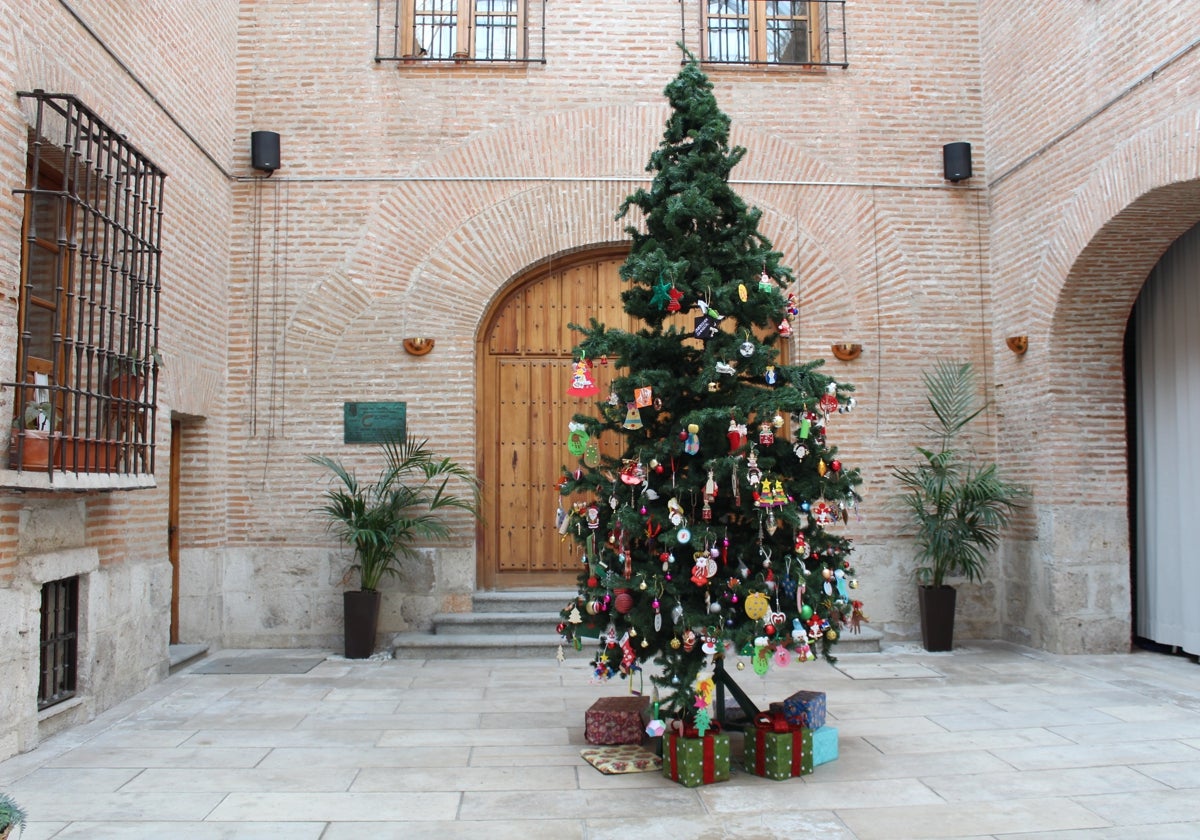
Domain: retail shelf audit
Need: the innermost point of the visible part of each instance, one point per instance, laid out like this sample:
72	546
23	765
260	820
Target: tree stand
724	681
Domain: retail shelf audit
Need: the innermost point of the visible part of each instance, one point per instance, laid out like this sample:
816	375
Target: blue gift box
824	745
805	708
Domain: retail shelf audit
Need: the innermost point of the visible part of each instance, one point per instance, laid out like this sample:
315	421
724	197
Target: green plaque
373	422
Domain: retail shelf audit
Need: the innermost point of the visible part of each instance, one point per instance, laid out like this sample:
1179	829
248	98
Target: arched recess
524	360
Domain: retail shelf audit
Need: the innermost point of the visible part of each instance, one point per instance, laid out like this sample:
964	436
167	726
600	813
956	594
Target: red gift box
617	720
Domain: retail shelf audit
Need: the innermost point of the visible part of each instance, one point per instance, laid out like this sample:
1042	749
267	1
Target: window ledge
64	481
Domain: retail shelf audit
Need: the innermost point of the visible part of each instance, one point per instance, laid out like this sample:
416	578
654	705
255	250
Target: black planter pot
361	619
937	616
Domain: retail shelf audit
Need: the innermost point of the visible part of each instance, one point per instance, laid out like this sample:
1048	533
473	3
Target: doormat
259	665
622	758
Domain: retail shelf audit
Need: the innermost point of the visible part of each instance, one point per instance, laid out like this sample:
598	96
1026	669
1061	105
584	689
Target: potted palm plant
957	505
384	520
11	816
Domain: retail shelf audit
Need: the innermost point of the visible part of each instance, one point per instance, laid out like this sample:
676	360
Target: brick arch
438	264
1140	197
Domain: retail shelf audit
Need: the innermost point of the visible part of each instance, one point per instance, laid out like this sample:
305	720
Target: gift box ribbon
764	725
709	767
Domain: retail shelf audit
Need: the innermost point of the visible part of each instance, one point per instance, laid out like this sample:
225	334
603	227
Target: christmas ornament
765	283
692	444
643	397
581	380
577	440
757	605
633	417
736	435
769	375
675	295
591	453
662	295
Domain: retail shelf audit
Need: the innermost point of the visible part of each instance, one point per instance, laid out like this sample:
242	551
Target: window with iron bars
60	641
458	30
770	32
87	351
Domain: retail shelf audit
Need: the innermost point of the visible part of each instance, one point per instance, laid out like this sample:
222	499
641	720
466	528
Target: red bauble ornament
623	602
835	465
769	629
593	582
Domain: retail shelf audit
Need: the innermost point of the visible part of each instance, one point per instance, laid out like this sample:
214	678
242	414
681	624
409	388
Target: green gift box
696	761
779	755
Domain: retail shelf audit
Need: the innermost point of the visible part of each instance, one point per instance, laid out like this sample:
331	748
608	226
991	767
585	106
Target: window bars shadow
811	33
461	31
87	355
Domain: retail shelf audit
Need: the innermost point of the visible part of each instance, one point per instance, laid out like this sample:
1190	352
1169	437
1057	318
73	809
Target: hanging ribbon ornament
582	384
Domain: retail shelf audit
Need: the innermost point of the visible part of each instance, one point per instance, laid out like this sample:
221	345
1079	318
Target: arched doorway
524	368
1163	367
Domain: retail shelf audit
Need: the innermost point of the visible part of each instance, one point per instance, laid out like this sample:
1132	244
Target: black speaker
956	160
264	150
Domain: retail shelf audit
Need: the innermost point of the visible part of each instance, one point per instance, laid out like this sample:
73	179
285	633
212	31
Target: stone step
523	600
867	640
477	646
495	623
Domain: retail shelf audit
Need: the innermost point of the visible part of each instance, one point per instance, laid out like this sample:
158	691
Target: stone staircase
520	624
508	625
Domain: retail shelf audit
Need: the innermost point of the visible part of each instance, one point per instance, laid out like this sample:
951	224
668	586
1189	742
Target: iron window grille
463	31
811	33
60	642
87	362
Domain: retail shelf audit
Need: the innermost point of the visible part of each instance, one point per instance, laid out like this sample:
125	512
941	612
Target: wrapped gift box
805	708
696	761
824	745
617	720
779	755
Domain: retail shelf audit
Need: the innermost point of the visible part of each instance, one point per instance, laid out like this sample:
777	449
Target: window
87	318
459	30
770	32
60	641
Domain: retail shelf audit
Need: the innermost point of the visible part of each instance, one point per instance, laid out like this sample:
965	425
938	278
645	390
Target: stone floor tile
812	794
183	831
394	806
989	819
984	787
1145	809
436	737
417	779
90	756
578	804
764	826
362	757
1096	755
308	778
1180	775
491	830
991	739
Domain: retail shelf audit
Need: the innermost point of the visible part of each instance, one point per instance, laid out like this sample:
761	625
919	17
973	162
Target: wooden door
525	360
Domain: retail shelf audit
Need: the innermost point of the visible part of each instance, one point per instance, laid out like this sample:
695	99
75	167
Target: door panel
525	359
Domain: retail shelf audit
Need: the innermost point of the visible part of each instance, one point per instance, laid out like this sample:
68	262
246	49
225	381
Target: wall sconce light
1018	344
418	346
847	352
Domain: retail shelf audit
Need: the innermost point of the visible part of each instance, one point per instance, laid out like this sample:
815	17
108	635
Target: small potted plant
29	446
384	520
11	816
127	374
957	505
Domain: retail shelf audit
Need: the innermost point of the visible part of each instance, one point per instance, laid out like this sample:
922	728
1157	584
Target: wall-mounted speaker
956	161
264	151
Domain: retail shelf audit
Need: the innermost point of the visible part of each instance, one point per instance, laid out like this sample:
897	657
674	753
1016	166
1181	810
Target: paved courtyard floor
989	740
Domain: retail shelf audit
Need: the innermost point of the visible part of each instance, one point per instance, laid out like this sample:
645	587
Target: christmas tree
710	533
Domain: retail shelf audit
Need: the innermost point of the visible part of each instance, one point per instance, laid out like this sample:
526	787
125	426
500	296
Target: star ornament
662	295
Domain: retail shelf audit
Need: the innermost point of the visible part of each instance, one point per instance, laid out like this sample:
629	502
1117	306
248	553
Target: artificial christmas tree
709	533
